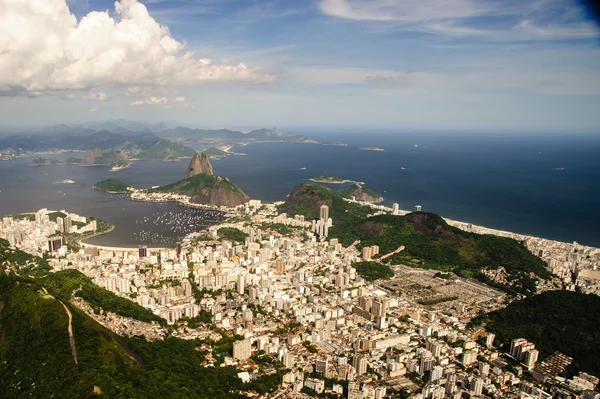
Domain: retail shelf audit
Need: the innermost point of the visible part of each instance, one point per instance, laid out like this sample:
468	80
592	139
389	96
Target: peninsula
39	161
331	179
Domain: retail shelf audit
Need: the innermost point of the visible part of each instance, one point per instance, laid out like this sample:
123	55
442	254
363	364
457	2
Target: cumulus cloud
44	48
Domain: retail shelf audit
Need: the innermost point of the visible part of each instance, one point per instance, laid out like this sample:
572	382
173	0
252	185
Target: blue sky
304	64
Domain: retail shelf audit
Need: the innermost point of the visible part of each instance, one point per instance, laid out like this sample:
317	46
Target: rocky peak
199	165
90	157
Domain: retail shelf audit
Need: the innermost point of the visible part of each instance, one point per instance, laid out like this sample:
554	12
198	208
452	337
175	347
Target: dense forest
372	271
563	321
112	186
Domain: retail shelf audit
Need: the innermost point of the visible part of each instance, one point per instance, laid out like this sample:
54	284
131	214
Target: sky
473	65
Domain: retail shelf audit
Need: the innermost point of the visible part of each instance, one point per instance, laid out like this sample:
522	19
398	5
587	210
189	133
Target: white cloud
456	17
151	101
96	96
45	49
384	81
93	109
405	10
573	30
168	103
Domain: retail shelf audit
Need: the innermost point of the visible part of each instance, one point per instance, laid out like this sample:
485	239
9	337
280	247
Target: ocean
542	185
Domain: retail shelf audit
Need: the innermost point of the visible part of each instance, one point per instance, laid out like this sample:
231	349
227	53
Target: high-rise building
437	373
484	368
142	251
60	224
242	349
531	358
489	340
360	364
54	244
451	383
515	346
427	364
395	208
280	266
321	366
379	308
418	208
68	223
241	284
324	213
477	386
469	357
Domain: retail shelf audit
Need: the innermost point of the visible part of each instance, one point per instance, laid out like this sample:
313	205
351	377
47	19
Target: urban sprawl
296	296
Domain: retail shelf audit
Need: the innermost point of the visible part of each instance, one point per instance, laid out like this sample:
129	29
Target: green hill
36	359
563	321
206	189
39	161
428	240
165	150
112	186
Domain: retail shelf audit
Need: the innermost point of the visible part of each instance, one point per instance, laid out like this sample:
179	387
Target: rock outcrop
199	165
223	193
361	193
91	157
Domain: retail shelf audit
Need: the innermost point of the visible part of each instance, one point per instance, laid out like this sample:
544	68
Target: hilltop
112	186
361	193
34	325
112	159
206	189
165	150
199	164
428	240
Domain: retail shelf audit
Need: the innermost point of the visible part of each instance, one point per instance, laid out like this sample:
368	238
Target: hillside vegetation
206	189
165	150
36	358
555	321
112	186
428	240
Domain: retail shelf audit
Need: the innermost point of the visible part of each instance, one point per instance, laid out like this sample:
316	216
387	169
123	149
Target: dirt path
71	337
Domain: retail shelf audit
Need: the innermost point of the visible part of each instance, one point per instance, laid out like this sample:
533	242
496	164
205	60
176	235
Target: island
114	159
372	149
113	186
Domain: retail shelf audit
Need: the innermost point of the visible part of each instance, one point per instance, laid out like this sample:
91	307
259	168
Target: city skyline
326	64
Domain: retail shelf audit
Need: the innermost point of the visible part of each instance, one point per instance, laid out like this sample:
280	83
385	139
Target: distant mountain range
120	134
